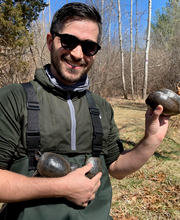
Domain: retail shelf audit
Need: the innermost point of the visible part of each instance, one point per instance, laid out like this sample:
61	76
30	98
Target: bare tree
49	13
43	22
110	18
102	10
109	32
131	51
121	50
136	28
147	50
135	47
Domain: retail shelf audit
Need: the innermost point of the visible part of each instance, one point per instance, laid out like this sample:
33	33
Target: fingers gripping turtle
55	165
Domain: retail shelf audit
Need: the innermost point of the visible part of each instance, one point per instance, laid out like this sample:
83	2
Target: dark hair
75	11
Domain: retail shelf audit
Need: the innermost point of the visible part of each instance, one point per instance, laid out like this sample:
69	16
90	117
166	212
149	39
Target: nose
77	52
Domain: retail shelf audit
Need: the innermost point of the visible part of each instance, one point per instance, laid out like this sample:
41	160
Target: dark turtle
53	165
167	98
97	167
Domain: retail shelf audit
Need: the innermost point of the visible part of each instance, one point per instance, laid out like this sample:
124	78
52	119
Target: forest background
122	68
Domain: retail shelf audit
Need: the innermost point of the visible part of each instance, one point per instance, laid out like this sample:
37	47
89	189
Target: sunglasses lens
69	42
90	48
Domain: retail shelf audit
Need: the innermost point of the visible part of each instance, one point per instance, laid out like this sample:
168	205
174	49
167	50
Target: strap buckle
94	111
33	106
32	133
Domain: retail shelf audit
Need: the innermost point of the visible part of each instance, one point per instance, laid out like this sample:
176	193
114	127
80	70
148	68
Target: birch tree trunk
109	32
43	23
135	50
121	50
131	51
102	10
147	50
49	13
136	29
110	20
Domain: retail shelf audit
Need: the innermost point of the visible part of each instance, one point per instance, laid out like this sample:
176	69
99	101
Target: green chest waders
60	208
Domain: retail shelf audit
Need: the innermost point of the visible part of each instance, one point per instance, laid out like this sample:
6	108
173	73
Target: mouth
73	65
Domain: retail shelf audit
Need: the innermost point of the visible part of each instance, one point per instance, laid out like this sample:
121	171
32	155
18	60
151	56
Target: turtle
55	165
167	98
97	166
52	165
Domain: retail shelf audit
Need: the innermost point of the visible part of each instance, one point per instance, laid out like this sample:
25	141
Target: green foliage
166	25
15	19
30	9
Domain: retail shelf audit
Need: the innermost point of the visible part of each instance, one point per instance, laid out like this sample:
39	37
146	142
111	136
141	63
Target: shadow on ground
131	105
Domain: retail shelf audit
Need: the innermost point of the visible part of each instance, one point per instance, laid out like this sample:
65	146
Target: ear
49	41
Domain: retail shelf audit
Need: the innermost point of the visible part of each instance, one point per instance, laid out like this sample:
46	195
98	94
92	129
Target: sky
125	11
142	5
156	4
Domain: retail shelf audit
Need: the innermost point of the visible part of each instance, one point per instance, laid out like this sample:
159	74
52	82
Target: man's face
70	65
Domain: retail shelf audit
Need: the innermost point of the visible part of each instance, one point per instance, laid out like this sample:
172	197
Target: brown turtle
52	165
97	167
167	98
55	165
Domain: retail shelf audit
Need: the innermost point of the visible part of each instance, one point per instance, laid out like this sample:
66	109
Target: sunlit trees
147	50
165	38
16	17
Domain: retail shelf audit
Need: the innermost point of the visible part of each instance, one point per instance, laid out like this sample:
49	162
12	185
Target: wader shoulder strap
97	126
32	132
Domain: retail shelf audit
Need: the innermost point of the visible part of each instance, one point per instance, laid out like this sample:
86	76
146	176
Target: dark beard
56	65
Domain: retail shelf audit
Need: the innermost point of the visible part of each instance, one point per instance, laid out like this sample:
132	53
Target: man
66	128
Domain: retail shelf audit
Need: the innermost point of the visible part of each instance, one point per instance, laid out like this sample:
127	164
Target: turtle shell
167	98
97	167
53	165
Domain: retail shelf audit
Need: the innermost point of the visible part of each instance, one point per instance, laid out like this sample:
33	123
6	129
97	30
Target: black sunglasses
69	42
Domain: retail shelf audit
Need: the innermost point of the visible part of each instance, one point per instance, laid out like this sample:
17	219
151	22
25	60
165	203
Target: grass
152	192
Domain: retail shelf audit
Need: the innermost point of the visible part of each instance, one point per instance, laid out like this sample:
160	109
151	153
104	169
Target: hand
156	123
81	189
